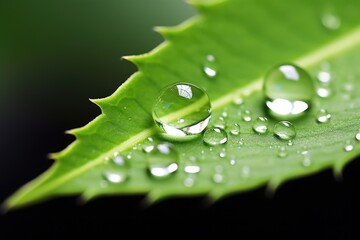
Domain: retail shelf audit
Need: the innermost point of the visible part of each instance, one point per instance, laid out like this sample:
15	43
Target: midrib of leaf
330	50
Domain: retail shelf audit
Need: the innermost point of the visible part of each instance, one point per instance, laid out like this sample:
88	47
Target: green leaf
247	37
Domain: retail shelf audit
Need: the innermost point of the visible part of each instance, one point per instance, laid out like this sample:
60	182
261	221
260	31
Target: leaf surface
247	38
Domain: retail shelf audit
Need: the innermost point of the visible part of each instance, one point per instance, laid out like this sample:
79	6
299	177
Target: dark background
54	55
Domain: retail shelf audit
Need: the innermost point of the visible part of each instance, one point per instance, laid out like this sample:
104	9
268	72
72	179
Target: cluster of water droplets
183	110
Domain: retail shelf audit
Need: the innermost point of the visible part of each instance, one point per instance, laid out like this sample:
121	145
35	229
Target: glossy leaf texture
246	38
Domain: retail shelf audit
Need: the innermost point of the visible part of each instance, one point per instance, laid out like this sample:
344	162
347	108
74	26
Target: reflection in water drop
192	168
178	100
246	116
357	136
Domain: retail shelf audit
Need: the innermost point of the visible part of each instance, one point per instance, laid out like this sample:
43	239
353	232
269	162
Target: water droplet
210	67
323	92
189	181
261	125
282	152
306	161
348	146
323	116
232	162
222	154
284	130
234	129
245	171
219	122
324	77
215	136
218	178
224	114
150	139
148	147
357	136
330	21
178	100
192	168
115	177
116	170
290	142
119	160
129	118
238	100
247	116
163	160
289	90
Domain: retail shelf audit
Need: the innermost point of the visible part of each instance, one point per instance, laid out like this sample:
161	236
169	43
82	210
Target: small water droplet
330	21
222	154
323	116
324	77
129	118
192	158
306	161
119	160
219	122
261	125
357	136
289	91
150	139
215	136
163	160
245	171
232	162
323	92
210	66
348	146
234	129
115	177
129	156
290	142
282	152
189	181
247	116
238	100
284	130
175	98
224	114
192	168
218	178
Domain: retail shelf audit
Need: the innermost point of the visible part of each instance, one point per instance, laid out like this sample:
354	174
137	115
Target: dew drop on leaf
261	125
182	109
323	91
288	91
282	152
322	116
284	130
116	170
246	116
348	146
192	168
215	136
330	21
357	136
210	67
219	122
234	129
189	181
324	77
162	161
